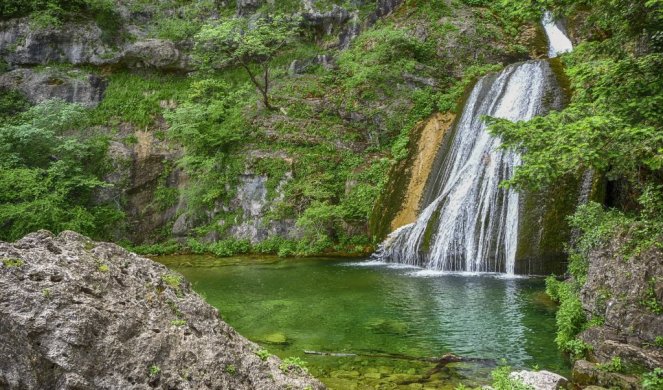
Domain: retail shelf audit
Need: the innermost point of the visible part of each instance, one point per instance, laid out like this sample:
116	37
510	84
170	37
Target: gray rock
73	86
74	43
541	380
85	315
302	66
615	290
81	43
154	53
247	7
587	373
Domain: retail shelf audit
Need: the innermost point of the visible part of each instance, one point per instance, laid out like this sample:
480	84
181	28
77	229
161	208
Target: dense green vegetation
49	174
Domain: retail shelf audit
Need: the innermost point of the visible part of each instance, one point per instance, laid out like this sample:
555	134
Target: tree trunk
262	88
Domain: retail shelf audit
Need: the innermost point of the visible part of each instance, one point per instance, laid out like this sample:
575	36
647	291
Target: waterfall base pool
387	319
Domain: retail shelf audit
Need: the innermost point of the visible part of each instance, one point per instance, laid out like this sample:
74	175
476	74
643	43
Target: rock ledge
77	314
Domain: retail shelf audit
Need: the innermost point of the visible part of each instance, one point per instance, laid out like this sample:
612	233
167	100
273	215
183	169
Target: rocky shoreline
78	314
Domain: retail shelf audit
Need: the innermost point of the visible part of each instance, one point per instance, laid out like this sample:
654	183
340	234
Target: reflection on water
368	308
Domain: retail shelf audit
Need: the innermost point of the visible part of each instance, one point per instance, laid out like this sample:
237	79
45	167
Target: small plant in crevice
658	342
263	354
293	362
103	268
178	322
578	349
11	263
172	280
231	369
614	365
650	301
154	370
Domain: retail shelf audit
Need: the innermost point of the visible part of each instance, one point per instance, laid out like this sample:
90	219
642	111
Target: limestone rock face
154	53
82	44
247	7
73	43
76	314
72	86
541	380
627	294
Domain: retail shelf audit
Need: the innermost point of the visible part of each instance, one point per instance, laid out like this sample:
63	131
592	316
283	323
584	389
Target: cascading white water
558	42
472	224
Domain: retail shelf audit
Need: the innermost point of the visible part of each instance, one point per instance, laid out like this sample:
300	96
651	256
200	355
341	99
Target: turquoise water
386	316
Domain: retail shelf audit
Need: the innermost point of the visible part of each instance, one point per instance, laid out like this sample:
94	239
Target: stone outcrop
627	293
82	43
541	380
77	314
587	373
73	86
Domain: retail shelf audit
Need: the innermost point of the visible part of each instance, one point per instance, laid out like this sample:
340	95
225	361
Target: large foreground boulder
77	314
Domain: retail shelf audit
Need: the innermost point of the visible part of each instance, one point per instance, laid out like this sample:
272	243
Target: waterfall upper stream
467	221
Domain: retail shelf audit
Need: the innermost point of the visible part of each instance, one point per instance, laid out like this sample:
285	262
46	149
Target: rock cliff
626	293
78	314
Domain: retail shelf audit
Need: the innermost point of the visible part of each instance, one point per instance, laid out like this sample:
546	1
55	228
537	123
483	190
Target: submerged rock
80	314
541	380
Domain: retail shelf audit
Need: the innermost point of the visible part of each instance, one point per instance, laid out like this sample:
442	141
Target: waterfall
558	42
469	223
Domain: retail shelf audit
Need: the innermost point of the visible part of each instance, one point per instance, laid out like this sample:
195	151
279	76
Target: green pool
385	319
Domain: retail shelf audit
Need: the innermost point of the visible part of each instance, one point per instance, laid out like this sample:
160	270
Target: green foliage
613	125
570	316
578	349
234	43
54	13
50	172
11	263
502	380
172	280
650	301
653	380
659	341
379	54
138	98
154	370
231	369
230	247
103	268
292	363
210	120
11	103
263	354
178	322
615	365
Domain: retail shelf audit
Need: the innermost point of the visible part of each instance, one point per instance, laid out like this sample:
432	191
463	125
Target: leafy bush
653	380
615	365
263	354
291	363
48	179
230	247
11	103
503	381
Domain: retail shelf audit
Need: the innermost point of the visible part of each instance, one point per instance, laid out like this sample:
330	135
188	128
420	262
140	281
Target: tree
49	175
240	42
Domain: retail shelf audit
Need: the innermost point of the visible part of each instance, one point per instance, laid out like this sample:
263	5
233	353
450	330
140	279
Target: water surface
385	315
